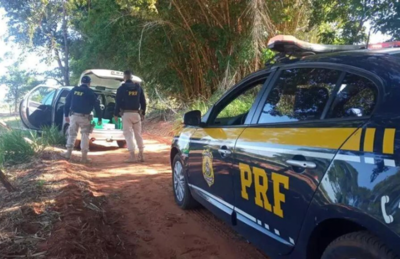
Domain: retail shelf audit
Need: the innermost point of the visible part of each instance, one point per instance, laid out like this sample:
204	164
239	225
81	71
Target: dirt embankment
54	214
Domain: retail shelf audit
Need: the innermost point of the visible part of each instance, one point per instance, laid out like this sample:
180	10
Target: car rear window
299	94
356	97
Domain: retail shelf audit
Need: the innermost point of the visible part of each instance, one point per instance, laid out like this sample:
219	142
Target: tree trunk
15	106
6	183
16	96
66	47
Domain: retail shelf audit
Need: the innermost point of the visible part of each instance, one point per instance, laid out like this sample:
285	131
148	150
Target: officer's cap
86	80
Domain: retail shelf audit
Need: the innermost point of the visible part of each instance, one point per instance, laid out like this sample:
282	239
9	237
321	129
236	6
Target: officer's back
83	99
131	95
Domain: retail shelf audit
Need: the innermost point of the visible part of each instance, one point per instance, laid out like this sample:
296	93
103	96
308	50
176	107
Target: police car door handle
302	164
224	151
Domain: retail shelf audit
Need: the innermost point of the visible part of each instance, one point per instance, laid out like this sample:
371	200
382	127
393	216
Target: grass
14	148
20	146
12	121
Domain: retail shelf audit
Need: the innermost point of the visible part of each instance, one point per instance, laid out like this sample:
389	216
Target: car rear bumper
106	135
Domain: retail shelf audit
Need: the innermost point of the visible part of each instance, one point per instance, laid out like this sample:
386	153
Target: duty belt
80	114
131	111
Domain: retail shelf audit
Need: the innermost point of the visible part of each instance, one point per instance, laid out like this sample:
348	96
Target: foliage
185	49
14	148
45	27
344	21
51	136
18	82
19	146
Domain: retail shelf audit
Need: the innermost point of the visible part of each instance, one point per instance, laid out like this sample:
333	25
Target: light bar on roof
385	45
290	45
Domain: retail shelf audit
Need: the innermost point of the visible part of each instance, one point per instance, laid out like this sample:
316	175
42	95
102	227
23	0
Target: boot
67	154
131	158
85	158
141	156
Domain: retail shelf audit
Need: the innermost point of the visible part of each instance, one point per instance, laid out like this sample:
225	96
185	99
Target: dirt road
151	225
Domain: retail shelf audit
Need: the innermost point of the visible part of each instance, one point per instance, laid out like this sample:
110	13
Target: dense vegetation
185	51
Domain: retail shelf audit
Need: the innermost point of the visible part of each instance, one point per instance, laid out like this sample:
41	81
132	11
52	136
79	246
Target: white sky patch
376	37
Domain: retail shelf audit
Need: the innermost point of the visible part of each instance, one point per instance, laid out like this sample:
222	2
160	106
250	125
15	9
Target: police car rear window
356	97
299	94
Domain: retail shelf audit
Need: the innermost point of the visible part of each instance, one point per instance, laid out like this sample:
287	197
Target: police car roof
383	59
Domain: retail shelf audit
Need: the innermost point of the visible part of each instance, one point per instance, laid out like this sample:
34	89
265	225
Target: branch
4	125
6	183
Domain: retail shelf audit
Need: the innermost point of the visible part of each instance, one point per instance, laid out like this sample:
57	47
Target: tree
387	20
18	82
44	26
344	21
184	49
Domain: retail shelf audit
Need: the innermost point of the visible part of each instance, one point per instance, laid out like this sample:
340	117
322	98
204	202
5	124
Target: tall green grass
51	136
19	146
14	148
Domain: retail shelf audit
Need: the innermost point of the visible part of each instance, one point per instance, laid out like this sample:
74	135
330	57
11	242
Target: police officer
80	103
131	104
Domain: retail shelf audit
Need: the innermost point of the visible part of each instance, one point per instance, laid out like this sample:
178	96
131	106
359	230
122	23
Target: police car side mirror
192	118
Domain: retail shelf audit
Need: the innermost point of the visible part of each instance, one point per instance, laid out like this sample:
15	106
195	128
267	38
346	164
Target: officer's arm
118	101
143	103
67	105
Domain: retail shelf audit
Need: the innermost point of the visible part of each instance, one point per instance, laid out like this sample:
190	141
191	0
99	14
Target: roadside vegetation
187	52
20	146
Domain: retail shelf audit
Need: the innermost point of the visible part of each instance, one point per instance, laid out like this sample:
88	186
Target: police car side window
356	97
235	112
299	94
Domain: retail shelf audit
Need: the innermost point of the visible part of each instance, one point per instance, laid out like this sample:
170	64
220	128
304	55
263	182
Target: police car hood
107	78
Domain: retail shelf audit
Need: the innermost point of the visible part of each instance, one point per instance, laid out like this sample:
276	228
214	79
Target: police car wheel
358	245
182	194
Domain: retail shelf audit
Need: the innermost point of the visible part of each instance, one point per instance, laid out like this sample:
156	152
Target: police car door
36	109
283	155
211	147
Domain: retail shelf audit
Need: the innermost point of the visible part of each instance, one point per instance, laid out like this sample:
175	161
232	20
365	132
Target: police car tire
121	143
358	245
188	201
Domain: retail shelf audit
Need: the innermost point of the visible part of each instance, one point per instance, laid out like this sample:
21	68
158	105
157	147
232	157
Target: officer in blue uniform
131	104
79	105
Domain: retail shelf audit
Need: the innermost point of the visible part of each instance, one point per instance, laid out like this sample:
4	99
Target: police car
302	158
44	105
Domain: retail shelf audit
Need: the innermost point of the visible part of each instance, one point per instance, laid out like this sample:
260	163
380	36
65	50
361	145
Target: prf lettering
78	93
259	180
132	93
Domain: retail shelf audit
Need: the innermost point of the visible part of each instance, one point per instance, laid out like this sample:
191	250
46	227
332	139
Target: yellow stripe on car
331	138
388	141
369	140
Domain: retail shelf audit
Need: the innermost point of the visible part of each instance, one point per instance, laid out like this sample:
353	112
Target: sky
33	61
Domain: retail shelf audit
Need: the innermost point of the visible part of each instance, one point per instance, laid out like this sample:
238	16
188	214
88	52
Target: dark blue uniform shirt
83	100
130	96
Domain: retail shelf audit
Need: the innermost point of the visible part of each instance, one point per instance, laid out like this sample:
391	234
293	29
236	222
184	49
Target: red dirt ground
141	202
